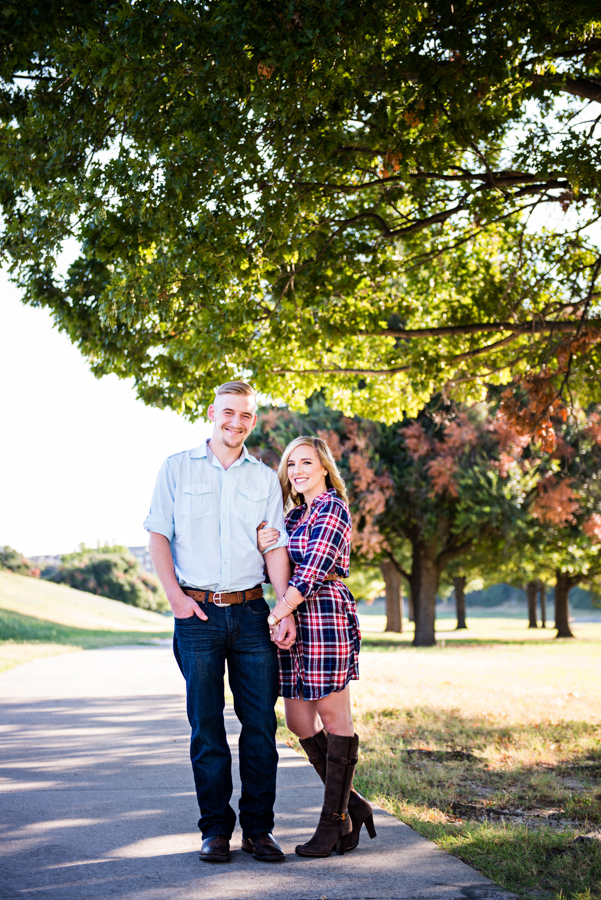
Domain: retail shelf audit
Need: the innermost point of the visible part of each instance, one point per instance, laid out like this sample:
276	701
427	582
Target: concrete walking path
97	800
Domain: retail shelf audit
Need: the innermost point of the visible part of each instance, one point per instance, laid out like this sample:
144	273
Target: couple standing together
210	555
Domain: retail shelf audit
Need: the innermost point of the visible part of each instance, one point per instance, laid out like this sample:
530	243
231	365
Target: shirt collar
203	450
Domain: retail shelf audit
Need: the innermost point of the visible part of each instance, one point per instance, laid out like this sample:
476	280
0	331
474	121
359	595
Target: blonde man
203	521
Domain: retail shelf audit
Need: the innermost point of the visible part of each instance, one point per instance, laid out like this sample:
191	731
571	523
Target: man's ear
211	413
254	422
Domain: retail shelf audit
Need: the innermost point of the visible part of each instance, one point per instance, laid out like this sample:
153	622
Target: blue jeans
239	635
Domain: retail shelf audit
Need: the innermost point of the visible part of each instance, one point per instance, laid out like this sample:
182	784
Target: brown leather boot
360	811
335	823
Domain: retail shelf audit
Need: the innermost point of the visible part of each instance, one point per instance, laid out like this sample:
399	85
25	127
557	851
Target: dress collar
317	501
321	497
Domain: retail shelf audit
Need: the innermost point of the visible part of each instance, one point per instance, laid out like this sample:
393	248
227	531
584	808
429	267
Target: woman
315	672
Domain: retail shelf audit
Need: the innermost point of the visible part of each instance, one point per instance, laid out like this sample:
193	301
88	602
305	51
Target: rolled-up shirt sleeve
161	516
275	514
329	531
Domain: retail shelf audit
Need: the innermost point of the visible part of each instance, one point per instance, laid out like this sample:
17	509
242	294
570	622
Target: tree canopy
381	199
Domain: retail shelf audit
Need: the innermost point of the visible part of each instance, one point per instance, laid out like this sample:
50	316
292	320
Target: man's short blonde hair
236	387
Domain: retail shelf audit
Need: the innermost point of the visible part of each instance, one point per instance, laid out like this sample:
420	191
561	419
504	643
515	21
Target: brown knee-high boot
361	813
335	823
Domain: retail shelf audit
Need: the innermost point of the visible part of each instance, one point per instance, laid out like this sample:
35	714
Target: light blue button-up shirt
210	515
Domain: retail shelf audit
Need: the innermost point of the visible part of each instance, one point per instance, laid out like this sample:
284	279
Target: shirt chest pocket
251	505
197	500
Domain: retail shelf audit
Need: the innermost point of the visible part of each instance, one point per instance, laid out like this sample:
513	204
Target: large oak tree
333	193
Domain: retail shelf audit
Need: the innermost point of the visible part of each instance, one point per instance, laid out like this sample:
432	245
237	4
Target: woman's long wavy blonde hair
333	478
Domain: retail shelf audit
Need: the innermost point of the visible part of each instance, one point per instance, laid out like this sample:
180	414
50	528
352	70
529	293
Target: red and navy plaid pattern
325	656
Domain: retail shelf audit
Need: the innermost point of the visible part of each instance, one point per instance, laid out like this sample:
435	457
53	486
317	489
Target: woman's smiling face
306	473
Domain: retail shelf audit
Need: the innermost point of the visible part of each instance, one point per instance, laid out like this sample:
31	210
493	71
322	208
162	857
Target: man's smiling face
234	417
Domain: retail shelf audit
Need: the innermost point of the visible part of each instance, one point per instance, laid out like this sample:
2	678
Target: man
204	513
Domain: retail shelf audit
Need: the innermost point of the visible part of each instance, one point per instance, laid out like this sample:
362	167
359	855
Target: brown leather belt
221	598
333	577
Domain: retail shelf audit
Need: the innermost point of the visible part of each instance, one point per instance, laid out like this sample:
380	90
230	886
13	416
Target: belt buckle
218	602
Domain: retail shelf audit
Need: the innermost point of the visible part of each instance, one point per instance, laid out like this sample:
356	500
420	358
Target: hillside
38	618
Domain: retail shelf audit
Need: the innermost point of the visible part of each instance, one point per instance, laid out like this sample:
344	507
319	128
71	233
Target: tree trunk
394	596
459	584
563	585
410	606
543	604
425	577
531	593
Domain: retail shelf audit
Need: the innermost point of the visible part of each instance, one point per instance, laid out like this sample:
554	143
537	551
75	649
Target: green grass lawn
38	618
489	744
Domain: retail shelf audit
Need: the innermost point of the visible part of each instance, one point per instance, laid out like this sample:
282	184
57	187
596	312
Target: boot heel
369	824
341	845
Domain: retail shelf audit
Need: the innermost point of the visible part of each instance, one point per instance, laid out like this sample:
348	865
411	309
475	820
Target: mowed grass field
38	618
490	745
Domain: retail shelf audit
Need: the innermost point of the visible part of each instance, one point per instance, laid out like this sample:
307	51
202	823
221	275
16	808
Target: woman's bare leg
335	712
302	717
306	717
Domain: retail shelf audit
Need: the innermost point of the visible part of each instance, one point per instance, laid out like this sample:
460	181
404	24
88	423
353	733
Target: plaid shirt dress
325	656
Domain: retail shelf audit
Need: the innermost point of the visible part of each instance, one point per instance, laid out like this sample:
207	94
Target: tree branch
397	565
389	232
532	327
459	358
340	371
445	556
469	354
494	179
584	88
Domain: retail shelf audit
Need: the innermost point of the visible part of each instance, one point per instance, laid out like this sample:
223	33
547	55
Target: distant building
142	554
47	563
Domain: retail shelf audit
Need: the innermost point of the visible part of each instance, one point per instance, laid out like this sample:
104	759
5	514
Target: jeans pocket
258	607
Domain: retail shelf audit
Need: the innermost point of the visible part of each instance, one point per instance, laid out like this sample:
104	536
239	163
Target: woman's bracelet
288	604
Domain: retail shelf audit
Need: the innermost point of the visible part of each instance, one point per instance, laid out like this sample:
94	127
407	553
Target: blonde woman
316	671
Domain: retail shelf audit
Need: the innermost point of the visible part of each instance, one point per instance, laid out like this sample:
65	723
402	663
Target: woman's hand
284	634
266	537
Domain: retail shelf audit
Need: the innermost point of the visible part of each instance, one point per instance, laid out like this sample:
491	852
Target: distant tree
422	494
560	537
459	590
394	595
113	572
13	561
531	595
542	592
461	481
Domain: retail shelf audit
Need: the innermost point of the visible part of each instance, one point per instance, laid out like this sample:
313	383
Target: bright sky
78	455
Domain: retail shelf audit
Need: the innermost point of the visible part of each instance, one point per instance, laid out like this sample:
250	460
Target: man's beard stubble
228	441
